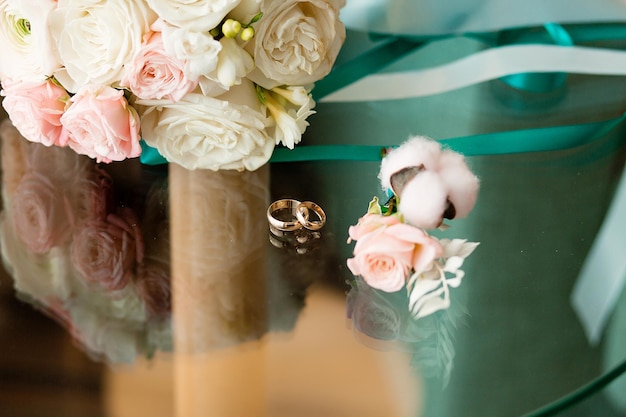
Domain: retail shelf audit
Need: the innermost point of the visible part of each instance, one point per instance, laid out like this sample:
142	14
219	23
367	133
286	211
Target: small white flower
289	107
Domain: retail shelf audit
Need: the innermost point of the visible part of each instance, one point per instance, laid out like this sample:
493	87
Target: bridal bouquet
209	84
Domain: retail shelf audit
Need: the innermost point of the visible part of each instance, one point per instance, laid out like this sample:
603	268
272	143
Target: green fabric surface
522	345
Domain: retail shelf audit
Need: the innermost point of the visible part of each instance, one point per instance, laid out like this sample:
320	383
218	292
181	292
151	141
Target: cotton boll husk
424	200
418	150
461	183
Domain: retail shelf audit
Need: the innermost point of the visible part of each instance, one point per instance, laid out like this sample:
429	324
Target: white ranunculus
297	41
197	16
289	107
28	51
227	132
96	39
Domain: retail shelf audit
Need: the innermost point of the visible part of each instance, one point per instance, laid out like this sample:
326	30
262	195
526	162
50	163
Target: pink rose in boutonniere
100	124
387	250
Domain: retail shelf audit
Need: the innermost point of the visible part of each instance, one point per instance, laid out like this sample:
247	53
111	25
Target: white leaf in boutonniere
429	291
28	51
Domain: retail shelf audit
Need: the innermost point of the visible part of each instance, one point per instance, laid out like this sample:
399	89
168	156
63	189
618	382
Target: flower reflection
383	320
74	244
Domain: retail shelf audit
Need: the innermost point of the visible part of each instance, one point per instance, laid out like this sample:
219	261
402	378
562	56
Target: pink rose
105	251
370	222
40	213
153	74
385	255
36	109
101	124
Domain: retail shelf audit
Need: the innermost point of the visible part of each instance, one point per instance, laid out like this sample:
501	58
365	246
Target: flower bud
247	34
231	28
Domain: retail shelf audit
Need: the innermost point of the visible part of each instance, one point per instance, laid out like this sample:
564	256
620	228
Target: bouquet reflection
74	239
91	246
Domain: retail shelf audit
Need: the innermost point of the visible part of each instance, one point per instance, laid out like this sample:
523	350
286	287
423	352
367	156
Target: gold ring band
285	225
303	213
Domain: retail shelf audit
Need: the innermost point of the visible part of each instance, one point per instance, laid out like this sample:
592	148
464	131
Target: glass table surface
219	318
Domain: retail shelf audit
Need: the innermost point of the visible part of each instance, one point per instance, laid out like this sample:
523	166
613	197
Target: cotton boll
462	185
424	200
417	151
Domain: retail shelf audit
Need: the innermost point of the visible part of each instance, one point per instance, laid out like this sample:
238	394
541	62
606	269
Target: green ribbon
511	142
543	83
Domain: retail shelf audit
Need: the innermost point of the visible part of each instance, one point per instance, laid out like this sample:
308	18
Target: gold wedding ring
277	218
288	215
303	214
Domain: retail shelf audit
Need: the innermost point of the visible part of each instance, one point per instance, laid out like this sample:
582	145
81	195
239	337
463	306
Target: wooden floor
42	374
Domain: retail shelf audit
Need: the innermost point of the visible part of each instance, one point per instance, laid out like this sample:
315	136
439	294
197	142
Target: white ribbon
603	274
436	17
482	66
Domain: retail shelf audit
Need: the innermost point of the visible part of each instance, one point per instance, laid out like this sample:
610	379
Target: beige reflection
225	361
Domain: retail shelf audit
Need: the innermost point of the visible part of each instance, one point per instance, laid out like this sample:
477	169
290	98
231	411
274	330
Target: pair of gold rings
288	215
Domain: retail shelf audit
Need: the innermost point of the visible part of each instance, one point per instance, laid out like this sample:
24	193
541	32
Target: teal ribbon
150	156
543	83
511	142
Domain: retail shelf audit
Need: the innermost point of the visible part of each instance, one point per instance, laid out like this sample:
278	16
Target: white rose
97	38
198	50
297	41
28	51
289	107
227	132
198	15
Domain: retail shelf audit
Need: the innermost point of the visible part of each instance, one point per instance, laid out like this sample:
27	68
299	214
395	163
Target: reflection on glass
87	249
383	320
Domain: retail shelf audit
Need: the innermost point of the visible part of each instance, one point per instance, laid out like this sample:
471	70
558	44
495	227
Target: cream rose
154	74
197	16
96	39
100	124
35	110
386	252
28	51
228	132
297	41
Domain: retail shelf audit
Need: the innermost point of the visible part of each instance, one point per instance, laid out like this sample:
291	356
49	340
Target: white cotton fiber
424	200
445	177
417	151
